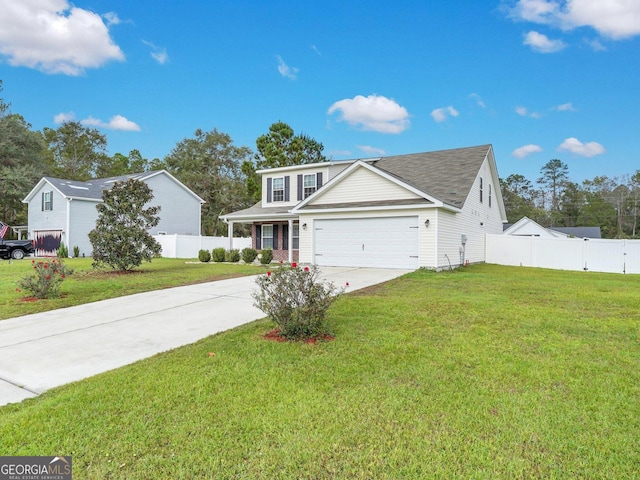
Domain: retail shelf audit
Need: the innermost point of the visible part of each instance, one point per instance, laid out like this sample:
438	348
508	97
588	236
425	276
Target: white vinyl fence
188	246
593	255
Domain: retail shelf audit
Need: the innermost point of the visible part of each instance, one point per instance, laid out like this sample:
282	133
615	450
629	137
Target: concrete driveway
46	350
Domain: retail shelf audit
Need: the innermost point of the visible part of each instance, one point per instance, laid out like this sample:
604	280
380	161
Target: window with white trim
489	195
296	236
480	189
267	236
47	201
278	189
310	185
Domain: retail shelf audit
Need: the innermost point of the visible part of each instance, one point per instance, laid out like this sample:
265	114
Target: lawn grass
487	372
89	285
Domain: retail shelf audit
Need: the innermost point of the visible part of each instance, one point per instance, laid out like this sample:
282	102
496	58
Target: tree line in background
225	175
613	204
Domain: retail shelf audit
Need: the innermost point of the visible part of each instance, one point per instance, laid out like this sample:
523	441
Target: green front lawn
87	285
488	372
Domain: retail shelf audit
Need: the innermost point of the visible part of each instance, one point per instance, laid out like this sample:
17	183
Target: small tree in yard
296	300
121	238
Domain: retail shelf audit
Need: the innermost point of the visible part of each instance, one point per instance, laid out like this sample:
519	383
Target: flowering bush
296	300
46	279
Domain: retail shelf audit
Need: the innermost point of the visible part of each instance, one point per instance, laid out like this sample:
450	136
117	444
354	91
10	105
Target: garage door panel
367	242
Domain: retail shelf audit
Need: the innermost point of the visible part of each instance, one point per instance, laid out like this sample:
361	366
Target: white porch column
230	234
290	241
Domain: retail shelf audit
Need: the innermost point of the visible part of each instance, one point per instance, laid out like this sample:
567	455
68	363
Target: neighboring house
65	210
427	210
525	227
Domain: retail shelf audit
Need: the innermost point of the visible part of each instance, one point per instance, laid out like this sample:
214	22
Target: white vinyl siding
179	208
84	215
362	185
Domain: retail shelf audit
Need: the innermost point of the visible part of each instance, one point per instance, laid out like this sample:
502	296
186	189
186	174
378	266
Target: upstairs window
47	201
489	195
278	190
480	189
309	184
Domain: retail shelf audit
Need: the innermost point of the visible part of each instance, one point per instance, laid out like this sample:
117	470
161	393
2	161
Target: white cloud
285	70
615	19
441	114
565	107
54	37
596	45
369	150
522	111
315	49
478	100
374	112
543	44
159	54
575	146
117	122
112	18
63	117
526	150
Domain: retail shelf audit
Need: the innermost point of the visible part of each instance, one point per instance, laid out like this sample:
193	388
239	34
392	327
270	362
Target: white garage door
367	242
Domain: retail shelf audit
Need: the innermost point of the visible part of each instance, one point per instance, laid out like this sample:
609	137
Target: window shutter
285	237
275	237
51	200
269	188
299	187
43	201
287	184
258	237
318	180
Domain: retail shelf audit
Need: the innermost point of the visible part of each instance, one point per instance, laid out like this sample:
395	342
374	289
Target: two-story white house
429	210
65	210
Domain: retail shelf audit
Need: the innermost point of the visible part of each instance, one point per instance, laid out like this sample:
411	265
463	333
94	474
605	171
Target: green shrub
232	256
46	279
76	251
266	256
218	254
249	255
63	251
204	256
296	300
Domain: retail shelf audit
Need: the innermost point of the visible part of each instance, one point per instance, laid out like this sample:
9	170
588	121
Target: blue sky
538	79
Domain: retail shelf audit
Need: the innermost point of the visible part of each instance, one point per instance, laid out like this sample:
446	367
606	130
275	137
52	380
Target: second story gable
288	186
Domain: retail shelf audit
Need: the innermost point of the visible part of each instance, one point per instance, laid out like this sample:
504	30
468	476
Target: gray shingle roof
92	189
579	232
447	175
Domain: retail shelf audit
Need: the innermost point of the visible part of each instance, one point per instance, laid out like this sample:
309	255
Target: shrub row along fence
593	255
188	246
